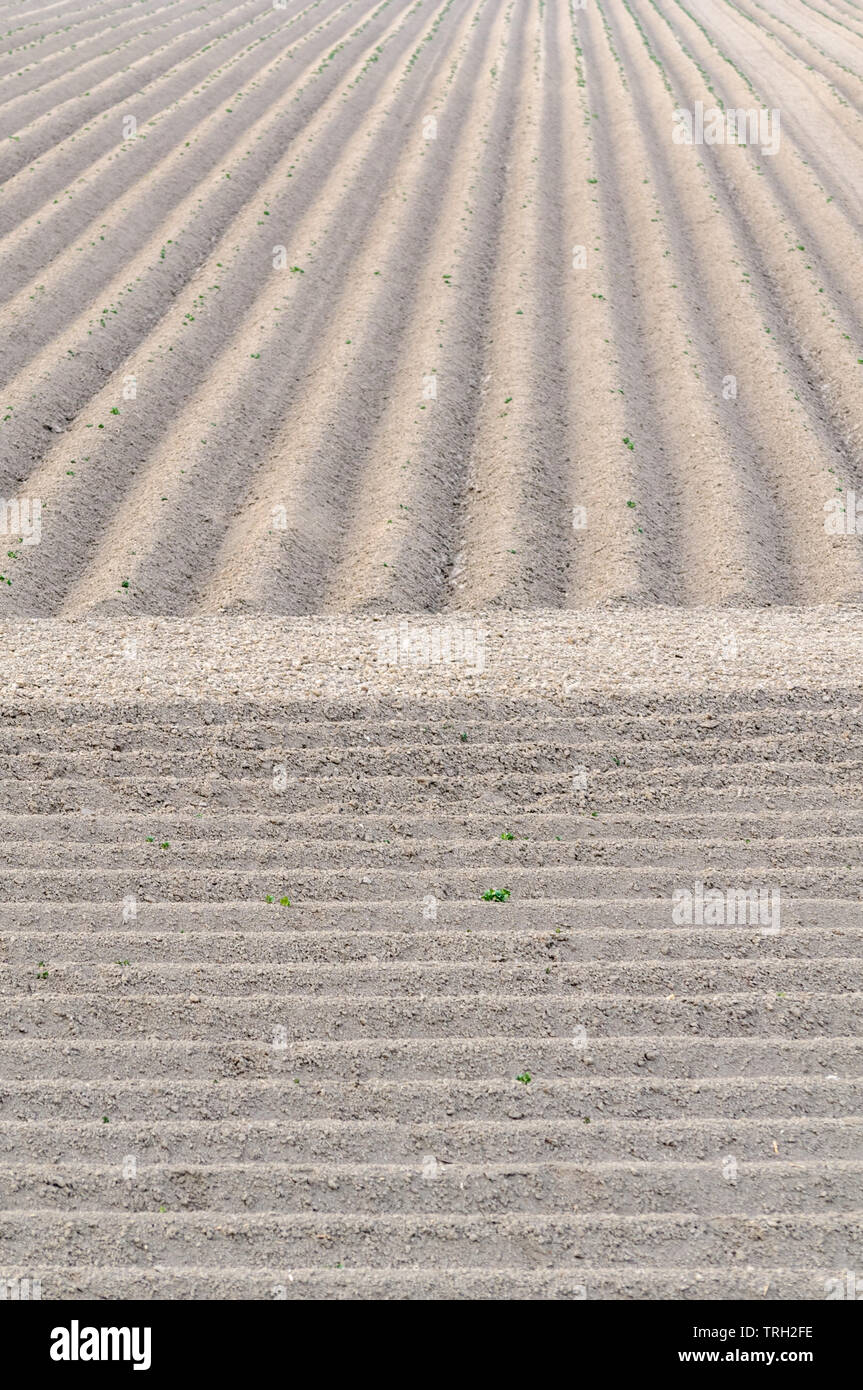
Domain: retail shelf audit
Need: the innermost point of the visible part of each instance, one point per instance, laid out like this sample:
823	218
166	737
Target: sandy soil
419	464
406	412
265	1037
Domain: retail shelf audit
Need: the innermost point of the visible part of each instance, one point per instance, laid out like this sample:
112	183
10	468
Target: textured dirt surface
338	260
388	1087
415	468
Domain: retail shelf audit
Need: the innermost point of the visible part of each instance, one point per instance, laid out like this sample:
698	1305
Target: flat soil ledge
548	654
